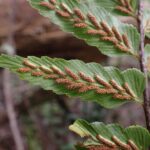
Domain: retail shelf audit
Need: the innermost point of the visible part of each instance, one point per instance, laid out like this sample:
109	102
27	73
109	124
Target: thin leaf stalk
146	104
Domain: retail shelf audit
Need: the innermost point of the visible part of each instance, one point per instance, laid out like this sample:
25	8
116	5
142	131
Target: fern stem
146	104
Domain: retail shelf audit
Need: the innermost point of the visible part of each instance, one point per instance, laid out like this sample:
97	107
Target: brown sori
37	73
86	78
102	82
122	2
128	5
51	76
63	81
123	9
65	8
120	143
77	20
86	88
47	5
106	28
133	145
100	147
126	41
122	48
80	25
106	141
53	1
57	71
105	91
79	13
75	86
110	39
93	20
26	62
63	14
128	90
71	74
122	97
24	70
97	32
116	85
116	33
45	69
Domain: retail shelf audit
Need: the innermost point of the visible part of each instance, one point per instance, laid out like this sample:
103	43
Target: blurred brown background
34	119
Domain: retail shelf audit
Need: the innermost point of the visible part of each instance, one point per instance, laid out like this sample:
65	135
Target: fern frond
99	136
92	24
108	86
